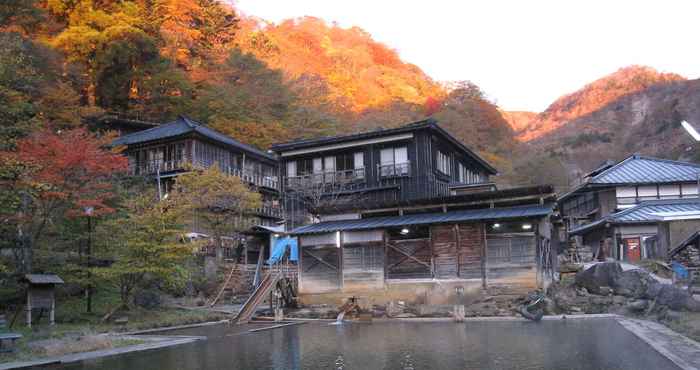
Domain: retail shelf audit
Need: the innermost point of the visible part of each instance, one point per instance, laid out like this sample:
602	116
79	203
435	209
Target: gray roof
184	125
637	169
43	279
425	219
645	212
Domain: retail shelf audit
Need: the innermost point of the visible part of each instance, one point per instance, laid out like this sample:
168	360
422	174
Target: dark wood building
162	152
416	161
428	250
622	209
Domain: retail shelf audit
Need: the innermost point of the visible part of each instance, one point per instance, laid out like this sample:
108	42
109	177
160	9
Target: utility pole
88	291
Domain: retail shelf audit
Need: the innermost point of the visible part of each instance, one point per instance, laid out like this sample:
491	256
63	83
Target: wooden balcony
270	211
394	169
152	168
326	178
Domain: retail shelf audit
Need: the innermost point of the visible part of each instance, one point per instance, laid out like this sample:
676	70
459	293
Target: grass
76	331
688	324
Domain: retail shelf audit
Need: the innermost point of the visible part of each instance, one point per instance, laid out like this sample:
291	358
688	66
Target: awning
426	219
280	248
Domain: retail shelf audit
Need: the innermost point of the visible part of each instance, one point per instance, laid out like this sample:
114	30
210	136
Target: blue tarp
280	247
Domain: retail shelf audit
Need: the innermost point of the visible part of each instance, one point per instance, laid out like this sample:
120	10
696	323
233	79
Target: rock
633	283
638	305
605	291
617	299
599	275
147	298
550	307
676	298
672	315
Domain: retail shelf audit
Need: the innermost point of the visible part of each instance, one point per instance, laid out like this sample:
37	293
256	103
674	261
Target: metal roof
426	218
637	169
647	212
43	279
184	125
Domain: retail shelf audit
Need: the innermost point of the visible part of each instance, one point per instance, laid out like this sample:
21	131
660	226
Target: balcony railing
270	211
255	178
153	167
324	178
394	169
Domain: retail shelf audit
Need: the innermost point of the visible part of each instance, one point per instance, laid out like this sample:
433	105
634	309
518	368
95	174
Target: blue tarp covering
280	247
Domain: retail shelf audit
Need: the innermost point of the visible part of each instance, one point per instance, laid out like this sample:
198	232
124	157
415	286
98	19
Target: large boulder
599	275
676	298
147	298
633	283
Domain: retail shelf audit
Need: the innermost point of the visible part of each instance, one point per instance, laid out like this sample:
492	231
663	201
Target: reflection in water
573	344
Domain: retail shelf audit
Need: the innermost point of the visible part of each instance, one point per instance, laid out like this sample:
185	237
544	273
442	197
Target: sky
523	54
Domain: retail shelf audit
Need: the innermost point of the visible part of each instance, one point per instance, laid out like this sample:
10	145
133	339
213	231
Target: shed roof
40	279
425	219
648	212
184	125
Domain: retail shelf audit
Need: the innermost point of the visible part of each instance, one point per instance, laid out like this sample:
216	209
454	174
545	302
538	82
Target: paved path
155	342
683	351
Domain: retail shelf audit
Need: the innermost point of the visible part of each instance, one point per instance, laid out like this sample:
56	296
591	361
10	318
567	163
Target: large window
331	168
466	176
394	162
443	162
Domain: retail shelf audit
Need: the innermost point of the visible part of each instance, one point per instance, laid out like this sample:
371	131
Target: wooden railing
327	177
270	211
153	167
394	169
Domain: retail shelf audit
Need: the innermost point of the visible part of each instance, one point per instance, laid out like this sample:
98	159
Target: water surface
574	344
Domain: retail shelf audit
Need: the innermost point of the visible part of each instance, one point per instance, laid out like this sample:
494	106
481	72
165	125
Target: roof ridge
158	126
666	160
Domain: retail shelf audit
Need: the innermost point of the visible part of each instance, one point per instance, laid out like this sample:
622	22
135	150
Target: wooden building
162	152
613	210
424	251
415	161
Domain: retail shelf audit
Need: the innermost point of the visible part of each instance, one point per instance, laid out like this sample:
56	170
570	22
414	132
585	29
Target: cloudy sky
524	54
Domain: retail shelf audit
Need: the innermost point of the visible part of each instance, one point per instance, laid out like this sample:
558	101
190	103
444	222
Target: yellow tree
145	242
221	202
90	31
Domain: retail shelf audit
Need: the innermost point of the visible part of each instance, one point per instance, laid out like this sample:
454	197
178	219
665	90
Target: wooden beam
319	259
407	256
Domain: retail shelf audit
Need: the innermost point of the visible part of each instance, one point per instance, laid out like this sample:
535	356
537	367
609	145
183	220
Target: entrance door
633	250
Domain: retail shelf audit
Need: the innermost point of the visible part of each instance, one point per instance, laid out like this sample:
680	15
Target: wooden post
52	314
483	256
29	308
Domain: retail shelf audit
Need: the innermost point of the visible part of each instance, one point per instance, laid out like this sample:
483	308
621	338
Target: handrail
326	177
394	169
153	166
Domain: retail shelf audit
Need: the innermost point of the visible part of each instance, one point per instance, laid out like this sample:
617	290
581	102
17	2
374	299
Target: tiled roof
425	219
184	125
646	212
638	169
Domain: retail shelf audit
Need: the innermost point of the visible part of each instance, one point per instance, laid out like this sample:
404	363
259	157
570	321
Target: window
291	168
393	161
359	165
462	173
443	163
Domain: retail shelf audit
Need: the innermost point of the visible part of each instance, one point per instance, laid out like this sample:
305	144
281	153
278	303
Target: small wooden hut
40	294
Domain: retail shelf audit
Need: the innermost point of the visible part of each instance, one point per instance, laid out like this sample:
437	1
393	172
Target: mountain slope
646	122
589	99
360	73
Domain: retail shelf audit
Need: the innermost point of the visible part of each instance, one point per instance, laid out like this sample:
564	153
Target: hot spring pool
558	344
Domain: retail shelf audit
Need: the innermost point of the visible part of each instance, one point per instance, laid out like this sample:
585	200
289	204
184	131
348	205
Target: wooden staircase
263	290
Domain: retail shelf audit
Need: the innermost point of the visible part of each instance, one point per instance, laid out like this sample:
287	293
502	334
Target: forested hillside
67	62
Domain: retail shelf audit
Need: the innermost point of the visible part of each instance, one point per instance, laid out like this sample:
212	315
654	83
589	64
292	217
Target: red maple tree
63	174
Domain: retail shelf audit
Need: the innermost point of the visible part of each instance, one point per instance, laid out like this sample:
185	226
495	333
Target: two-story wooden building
410	214
415	161
636	208
162	152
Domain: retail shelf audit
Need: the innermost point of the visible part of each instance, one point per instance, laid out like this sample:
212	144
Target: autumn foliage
71	166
